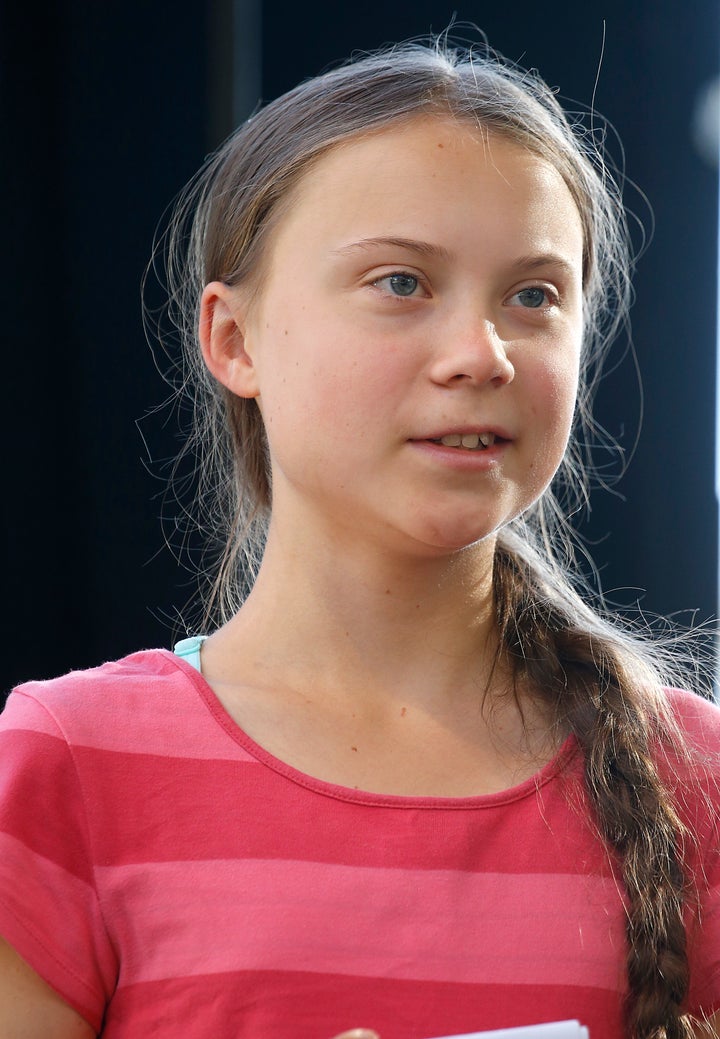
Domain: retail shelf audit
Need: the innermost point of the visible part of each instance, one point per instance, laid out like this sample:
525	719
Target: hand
358	1033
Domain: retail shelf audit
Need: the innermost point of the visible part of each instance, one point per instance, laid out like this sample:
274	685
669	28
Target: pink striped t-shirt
170	878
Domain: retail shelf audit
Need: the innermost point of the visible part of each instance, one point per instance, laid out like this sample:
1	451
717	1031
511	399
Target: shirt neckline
566	752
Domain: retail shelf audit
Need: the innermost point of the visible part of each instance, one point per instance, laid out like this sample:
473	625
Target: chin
451	541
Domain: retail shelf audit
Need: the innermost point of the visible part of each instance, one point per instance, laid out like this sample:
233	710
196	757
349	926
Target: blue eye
532	297
402	284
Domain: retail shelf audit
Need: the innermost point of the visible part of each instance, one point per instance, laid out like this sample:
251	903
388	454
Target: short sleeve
49	908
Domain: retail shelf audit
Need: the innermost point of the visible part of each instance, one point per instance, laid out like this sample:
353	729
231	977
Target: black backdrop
107	108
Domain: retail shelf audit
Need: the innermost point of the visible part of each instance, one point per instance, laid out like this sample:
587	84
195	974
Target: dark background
108	108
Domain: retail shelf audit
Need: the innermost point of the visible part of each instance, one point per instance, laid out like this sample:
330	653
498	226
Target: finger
358	1033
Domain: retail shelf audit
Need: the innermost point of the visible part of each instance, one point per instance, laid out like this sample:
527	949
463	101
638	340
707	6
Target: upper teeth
471	440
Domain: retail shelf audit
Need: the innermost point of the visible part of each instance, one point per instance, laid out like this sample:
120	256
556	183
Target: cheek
323	395
553	408
352	380
556	391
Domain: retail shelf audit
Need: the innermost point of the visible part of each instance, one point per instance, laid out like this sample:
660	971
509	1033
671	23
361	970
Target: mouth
467	441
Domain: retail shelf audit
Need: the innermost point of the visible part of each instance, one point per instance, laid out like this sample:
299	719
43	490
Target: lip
447	431
462	460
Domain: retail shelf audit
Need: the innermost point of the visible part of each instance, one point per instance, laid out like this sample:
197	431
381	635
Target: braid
581	671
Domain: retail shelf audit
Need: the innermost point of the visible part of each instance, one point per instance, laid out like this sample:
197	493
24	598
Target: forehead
433	176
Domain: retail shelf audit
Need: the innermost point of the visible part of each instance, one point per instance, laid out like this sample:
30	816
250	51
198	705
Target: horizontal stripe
330	919
299	1005
173	809
40	802
136	808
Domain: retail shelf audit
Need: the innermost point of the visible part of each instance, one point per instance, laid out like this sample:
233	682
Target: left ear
222	339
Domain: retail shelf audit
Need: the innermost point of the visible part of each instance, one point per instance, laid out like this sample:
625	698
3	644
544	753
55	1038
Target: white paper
555	1030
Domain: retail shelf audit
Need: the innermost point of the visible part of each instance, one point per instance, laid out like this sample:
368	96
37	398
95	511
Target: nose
474	353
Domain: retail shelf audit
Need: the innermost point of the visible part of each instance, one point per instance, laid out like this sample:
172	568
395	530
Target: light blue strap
189	649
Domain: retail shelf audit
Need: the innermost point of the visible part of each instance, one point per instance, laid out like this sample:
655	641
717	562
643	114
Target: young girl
413	782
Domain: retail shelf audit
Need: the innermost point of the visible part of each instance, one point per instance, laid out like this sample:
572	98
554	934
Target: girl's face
414	346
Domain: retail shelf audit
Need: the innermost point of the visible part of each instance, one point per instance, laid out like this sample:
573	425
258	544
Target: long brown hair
600	681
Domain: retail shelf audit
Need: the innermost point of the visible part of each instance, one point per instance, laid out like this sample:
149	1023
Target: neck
370	623
379	672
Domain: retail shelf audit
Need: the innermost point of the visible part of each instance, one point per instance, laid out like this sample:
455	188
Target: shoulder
689	763
698	720
149	671
80	704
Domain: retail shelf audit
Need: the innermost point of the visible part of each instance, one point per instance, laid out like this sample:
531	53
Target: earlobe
222	339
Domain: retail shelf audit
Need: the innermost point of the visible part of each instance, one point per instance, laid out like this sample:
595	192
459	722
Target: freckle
354	748
440	145
403	712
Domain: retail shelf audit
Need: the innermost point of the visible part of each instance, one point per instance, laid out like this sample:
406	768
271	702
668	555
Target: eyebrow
411	244
530	262
535	260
